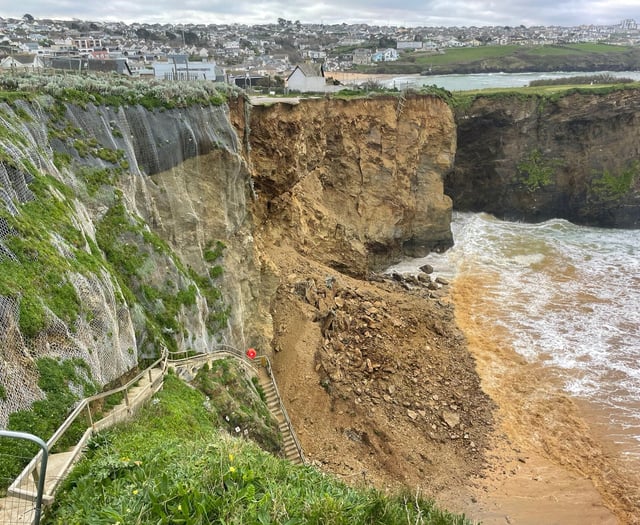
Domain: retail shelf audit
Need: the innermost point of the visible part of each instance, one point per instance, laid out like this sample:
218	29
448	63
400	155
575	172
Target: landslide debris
377	378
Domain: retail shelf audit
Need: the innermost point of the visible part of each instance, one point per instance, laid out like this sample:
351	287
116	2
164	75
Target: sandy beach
549	463
347	77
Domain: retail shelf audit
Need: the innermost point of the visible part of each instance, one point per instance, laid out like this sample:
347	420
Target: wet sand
550	462
347	77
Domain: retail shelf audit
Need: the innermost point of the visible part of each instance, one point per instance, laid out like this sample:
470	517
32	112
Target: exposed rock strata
357	183
587	144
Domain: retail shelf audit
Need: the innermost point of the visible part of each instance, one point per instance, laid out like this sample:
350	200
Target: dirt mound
377	379
383	389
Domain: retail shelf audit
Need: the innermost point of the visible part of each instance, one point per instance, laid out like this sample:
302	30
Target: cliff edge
530	157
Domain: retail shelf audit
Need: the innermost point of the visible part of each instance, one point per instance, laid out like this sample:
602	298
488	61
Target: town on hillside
267	56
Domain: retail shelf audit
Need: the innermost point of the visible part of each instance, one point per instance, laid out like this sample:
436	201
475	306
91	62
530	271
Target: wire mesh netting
101	335
16	510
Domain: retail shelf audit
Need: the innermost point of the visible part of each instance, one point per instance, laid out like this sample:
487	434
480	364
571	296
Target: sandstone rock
452	419
424	278
442	280
412	415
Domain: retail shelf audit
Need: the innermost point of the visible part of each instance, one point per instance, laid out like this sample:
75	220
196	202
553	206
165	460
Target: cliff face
533	158
113	223
125	230
354	184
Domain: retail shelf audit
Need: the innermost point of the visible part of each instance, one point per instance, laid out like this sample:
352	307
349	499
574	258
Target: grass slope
514	58
174	465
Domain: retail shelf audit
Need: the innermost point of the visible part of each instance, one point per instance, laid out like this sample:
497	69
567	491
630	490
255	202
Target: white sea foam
568	295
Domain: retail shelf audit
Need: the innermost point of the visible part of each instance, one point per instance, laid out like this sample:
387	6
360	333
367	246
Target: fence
35	485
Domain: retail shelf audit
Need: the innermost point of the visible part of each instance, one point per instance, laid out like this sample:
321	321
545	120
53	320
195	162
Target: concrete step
16	510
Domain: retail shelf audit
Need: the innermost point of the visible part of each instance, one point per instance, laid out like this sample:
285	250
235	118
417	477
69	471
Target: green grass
463	99
45	415
116	91
473	54
510	58
172	465
465	54
39	276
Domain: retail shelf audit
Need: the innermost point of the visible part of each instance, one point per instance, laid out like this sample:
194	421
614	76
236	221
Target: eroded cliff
147	218
354	184
573	156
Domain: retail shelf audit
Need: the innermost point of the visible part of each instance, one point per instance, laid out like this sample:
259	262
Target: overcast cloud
381	12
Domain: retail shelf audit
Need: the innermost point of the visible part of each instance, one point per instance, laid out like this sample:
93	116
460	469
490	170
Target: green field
576	49
515	58
465	54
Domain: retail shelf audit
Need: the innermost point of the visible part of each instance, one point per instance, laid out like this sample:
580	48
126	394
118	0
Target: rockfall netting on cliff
92	263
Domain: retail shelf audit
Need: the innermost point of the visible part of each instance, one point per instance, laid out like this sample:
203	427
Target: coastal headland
290	212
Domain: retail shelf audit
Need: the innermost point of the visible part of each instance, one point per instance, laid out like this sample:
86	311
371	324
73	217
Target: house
82	64
110	65
22	63
386	55
178	67
361	56
314	55
409	44
307	77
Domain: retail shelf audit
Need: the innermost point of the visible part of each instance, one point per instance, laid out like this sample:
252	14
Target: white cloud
399	12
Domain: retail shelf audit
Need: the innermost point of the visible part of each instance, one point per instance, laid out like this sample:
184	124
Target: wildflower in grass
231	457
232	469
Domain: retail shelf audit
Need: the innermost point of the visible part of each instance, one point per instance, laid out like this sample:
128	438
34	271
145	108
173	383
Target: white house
178	67
22	63
308	77
386	55
409	44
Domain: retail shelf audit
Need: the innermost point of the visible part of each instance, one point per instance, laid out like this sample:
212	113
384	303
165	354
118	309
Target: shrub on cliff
118	90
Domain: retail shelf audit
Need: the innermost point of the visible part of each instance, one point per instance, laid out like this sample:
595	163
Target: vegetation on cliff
542	152
541	93
174	465
56	379
114	90
79	268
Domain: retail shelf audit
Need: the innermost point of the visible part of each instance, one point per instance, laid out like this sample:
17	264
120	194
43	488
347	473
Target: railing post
126	400
89	418
43	466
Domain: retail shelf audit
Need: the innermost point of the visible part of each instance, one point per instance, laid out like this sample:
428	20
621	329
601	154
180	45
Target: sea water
492	80
569	298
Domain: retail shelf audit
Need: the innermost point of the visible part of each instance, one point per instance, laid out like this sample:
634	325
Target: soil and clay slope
357	183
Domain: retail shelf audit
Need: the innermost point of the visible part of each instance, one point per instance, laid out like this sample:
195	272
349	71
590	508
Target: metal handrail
287	420
43	467
164	360
232	350
82	405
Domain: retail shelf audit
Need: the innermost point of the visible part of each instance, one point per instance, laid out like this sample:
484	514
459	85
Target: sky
408	13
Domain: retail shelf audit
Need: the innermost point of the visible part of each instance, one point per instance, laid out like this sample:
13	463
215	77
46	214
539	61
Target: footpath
19	505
